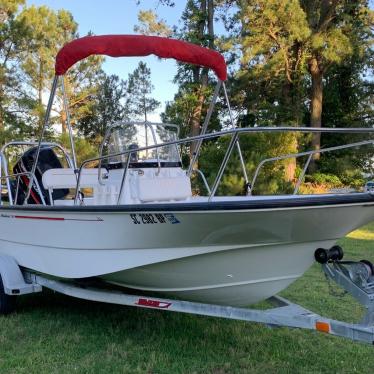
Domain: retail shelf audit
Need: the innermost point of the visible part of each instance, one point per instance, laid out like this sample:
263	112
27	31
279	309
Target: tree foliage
139	89
14	102
29	40
297	42
107	108
150	24
49	30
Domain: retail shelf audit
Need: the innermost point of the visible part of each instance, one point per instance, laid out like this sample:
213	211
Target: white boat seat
66	178
163	189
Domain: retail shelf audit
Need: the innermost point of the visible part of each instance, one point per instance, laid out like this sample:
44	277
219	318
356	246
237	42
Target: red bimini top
139	45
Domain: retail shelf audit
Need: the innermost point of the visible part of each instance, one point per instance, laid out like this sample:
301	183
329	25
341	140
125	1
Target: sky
120	17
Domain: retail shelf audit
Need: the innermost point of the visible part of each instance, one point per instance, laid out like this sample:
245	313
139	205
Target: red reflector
323	326
153	303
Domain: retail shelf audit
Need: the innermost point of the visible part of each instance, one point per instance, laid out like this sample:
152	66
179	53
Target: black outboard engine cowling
47	160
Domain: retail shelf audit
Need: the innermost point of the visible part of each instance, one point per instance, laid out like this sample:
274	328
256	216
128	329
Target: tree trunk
210	20
1	113
316	107
206	23
197	112
2	96
199	78
290	168
287	118
64	125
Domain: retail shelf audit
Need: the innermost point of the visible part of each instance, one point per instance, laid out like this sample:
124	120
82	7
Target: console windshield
138	135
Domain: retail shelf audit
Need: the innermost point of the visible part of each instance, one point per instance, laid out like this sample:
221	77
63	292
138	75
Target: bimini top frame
133	45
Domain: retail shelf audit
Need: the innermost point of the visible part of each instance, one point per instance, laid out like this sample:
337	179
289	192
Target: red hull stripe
46	218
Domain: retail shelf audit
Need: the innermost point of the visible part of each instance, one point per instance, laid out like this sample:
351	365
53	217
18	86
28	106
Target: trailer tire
7	302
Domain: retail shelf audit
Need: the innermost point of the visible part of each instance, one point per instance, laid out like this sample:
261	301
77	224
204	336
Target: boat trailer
356	278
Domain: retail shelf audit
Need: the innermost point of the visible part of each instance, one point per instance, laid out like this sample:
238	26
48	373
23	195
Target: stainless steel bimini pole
66	109
237	141
205	126
46	121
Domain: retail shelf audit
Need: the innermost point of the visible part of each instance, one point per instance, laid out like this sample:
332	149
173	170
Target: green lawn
52	333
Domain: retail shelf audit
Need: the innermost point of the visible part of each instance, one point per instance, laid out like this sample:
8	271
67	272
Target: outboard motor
47	160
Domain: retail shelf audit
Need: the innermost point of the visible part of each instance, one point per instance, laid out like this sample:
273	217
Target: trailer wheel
7	302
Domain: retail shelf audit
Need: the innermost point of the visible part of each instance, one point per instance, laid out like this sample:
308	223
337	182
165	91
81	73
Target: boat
133	220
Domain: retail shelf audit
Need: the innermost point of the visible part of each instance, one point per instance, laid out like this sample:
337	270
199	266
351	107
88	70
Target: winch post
363	293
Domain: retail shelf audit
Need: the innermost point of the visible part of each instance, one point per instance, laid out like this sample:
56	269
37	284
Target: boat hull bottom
237	277
237	295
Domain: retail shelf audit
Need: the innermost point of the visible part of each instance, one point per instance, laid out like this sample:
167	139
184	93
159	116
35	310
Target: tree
285	41
14	102
81	86
49	31
268	88
270	41
107	108
139	89
348	95
329	44
199	29
149	24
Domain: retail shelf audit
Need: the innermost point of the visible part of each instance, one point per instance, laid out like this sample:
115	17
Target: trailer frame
17	281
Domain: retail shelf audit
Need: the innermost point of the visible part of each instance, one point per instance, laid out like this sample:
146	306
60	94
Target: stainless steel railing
4	172
17	176
202	176
307	153
234	134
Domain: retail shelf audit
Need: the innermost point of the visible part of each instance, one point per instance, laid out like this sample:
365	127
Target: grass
52	333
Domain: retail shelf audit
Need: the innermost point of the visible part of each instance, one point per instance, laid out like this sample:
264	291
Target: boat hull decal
45	218
151	219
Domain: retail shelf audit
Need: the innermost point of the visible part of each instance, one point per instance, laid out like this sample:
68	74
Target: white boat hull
238	277
234	257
